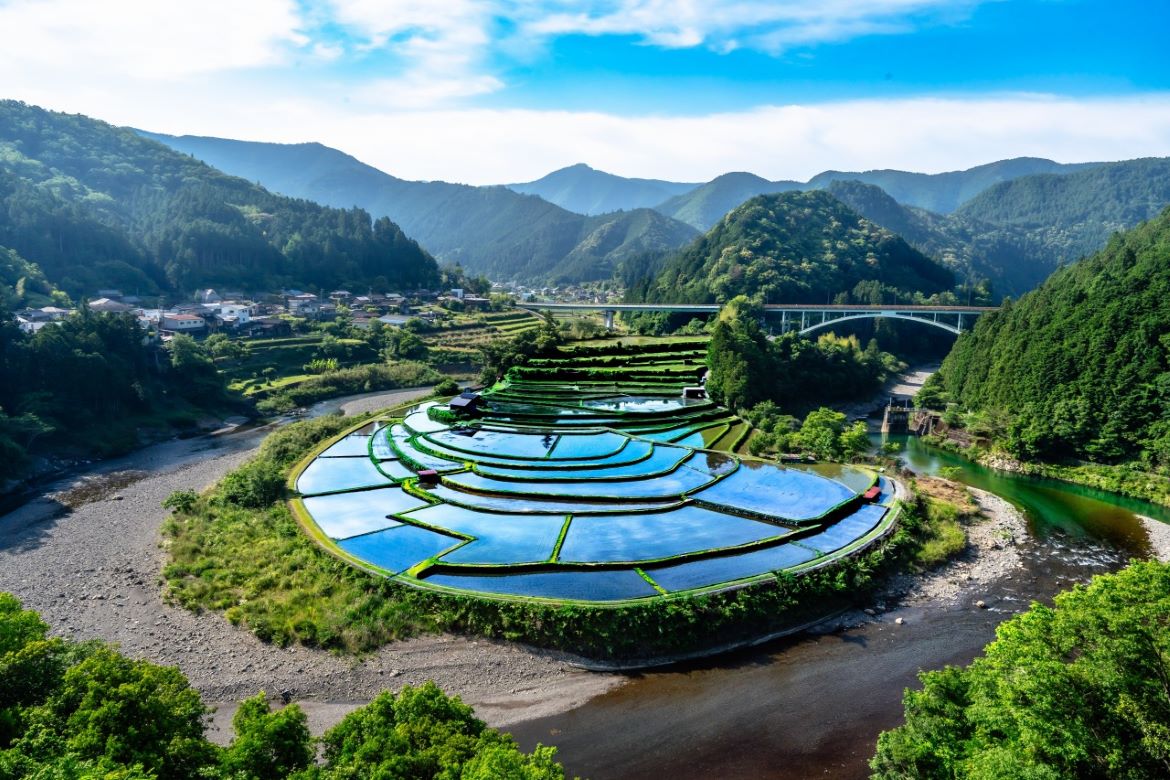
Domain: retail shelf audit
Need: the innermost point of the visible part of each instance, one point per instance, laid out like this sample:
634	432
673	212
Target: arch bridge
807	319
804	318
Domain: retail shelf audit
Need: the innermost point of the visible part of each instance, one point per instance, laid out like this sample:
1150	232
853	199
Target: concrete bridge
805	318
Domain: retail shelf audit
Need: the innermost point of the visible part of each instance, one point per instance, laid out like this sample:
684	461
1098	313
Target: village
273	314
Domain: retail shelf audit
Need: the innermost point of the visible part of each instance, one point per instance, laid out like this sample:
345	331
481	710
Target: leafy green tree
821	433
268	745
129	712
1080	689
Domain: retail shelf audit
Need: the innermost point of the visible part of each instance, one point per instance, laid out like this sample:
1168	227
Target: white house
182	323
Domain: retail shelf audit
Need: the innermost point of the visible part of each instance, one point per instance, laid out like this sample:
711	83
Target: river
813	705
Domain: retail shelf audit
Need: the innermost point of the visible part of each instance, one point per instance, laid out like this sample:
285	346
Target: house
457	293
181	323
108	305
304	305
340	296
475	302
466	403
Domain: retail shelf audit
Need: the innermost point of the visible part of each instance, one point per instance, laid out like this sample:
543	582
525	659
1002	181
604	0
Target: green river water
1050	506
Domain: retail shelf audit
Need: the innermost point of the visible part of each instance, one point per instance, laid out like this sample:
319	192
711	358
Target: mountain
490	230
99	206
795	247
584	190
706	204
1080	367
1075	214
1011	260
942	193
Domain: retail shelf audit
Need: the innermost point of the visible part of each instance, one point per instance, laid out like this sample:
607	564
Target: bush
447	387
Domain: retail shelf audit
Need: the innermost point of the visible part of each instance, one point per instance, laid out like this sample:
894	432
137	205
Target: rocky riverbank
991	555
86	556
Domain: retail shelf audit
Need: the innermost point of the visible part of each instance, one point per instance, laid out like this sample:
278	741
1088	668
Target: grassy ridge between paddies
238	549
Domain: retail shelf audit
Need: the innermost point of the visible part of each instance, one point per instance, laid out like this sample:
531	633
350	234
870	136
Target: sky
495	91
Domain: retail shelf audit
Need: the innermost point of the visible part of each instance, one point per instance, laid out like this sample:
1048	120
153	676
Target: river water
813	705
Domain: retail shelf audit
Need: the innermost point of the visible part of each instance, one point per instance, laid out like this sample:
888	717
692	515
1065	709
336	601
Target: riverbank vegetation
89	387
1076	374
83	710
1079	689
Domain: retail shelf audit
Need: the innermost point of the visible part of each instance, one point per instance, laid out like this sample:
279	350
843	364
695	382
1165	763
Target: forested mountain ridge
706	204
1074	215
795	247
1010	260
585	190
99	206
490	230
1080	367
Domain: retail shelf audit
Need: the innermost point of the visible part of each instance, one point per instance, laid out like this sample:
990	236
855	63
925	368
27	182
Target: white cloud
779	142
143	39
443	48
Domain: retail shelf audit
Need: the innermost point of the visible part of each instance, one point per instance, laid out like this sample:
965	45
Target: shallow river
813	705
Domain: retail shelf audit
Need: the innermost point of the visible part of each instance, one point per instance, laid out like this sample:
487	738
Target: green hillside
1008	258
487	230
585	190
942	193
706	204
1079	367
793	247
22	283
98	206
1074	215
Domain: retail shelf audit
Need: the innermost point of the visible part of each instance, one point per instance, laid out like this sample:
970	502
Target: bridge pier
609	313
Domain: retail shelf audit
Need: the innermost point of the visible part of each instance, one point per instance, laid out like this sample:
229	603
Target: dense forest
1075	215
98	206
1081	689
797	247
1079	368
83	710
993	261
491	230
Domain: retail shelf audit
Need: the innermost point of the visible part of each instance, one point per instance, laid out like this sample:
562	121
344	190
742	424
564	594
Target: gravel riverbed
86	555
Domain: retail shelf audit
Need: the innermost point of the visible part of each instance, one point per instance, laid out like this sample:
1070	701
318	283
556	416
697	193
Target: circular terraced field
575	493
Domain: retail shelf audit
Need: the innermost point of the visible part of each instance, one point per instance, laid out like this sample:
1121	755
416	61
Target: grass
948	506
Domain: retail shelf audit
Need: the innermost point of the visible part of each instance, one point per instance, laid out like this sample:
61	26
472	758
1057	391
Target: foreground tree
1078	690
74	711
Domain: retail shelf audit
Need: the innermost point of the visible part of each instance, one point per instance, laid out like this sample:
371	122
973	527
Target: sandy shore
87	557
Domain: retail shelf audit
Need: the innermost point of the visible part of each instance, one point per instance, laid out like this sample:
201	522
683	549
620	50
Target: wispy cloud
768	25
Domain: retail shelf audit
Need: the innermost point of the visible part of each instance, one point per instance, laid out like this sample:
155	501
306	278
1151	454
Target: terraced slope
581	480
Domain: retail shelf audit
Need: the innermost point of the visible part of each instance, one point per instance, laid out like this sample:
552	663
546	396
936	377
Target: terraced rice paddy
579	490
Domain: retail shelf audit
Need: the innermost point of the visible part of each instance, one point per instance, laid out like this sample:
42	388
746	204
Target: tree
1080	689
268	745
821	433
129	712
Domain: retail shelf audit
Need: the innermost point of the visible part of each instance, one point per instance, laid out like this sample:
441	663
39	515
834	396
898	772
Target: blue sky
503	90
